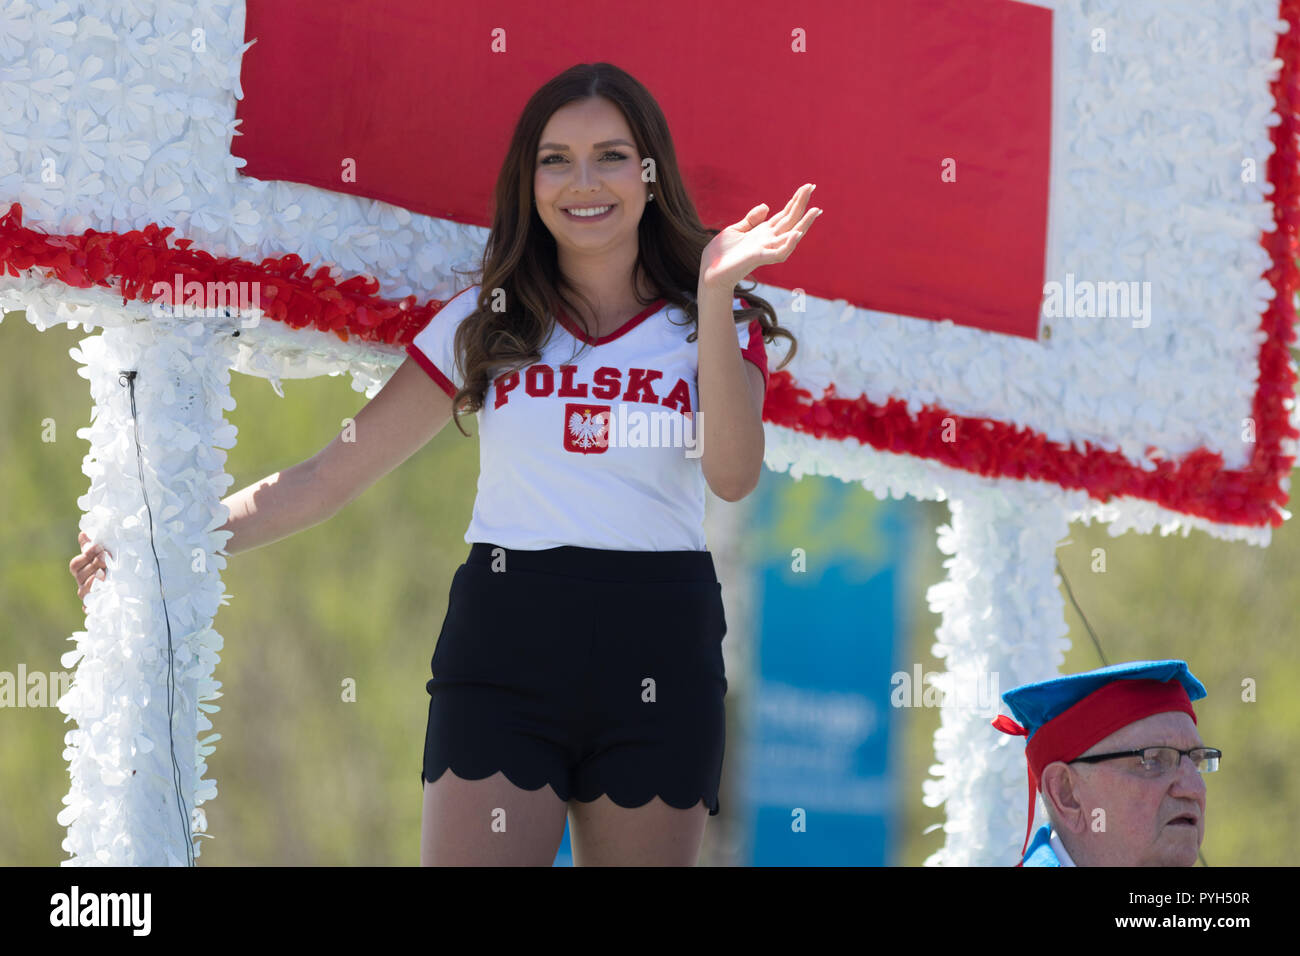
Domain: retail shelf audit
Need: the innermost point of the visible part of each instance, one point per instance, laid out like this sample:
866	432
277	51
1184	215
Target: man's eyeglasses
1158	761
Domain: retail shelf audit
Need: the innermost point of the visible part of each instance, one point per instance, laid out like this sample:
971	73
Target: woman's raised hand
756	240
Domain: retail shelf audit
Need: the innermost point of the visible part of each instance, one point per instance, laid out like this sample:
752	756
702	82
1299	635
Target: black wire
1097	644
171	677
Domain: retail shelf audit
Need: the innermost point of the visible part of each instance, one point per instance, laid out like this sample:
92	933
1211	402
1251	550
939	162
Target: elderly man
1117	759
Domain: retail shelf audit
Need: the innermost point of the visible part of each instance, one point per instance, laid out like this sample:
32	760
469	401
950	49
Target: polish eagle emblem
587	428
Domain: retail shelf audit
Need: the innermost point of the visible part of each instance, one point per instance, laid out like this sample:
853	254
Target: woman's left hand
755	241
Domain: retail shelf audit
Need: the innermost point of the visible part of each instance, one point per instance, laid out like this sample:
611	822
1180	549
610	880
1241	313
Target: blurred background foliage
305	778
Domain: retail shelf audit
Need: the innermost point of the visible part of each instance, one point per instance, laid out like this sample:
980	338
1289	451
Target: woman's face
587	158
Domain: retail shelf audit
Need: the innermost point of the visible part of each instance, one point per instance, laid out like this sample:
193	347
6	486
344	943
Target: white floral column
136	789
1003	625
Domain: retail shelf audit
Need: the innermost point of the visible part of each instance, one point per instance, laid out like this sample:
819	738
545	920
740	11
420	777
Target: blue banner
816	751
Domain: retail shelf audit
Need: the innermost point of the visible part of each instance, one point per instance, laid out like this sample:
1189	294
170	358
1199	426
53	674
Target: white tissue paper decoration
137	780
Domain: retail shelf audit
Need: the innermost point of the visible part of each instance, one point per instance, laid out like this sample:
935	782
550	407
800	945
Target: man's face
1150	821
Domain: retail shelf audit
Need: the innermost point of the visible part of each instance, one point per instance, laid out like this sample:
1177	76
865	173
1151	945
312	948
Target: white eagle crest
586	429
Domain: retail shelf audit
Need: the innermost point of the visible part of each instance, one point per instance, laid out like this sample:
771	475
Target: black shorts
594	671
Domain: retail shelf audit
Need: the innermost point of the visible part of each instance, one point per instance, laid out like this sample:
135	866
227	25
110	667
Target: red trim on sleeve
755	351
425	363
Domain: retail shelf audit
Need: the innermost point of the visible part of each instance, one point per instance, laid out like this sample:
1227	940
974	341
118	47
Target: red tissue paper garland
134	261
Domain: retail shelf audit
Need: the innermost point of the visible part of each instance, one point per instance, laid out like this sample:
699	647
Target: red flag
872	101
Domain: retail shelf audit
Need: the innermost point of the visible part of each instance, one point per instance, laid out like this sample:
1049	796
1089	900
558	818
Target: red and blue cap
1063	717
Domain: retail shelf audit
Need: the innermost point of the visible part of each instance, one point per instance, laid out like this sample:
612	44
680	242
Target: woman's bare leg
604	834
489	822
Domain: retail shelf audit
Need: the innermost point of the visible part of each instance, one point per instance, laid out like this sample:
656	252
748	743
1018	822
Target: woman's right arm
408	411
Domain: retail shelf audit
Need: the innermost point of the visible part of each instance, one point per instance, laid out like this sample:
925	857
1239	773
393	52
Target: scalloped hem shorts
594	671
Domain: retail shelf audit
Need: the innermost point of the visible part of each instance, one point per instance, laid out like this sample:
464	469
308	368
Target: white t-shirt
597	450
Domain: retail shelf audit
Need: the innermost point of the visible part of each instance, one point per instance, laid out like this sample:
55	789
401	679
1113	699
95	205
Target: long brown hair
520	258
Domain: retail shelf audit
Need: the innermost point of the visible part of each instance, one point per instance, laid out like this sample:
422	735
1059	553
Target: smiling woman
600	292
589	138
